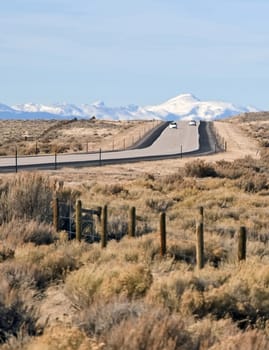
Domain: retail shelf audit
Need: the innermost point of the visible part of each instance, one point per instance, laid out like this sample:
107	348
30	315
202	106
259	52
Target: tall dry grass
26	196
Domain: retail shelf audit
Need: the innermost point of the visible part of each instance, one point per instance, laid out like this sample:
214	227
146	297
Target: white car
173	125
192	122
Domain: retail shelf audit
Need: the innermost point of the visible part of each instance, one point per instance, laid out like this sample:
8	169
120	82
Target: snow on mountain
181	104
187	106
5	109
181	107
57	109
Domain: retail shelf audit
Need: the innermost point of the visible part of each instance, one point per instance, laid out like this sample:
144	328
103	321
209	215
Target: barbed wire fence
102	225
221	143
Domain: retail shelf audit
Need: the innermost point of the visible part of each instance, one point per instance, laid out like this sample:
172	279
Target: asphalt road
185	140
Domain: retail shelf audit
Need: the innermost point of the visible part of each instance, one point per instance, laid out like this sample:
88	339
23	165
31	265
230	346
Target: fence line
104	236
221	143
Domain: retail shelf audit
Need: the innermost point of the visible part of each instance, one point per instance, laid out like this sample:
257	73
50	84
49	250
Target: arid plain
63	294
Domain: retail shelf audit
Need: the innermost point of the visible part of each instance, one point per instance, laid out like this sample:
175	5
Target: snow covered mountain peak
184	98
98	103
182	107
178	105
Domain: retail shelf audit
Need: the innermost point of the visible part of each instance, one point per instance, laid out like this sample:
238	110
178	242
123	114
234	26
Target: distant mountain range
182	107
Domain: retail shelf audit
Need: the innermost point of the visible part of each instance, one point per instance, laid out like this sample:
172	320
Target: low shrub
17	314
61	337
100	317
249	340
199	168
114	189
253	183
229	170
167	292
59	148
155	329
89	284
158	205
26	196
5	253
242	296
45	264
17	232
14	320
117	227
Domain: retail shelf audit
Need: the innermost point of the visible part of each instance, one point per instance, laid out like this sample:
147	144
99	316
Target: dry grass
61	294
26	196
87	285
17	232
155	329
63	338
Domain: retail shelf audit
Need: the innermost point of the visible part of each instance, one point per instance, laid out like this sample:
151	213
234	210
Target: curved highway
172	142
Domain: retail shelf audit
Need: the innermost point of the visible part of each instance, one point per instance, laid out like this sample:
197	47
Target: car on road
192	122
173	125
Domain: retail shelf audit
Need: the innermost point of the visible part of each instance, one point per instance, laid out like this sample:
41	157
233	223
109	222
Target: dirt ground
239	144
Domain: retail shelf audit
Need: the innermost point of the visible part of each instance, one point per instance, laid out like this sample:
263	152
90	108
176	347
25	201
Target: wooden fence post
78	220
99	214
200	245
56	214
132	222
201	213
163	234
242	243
104	227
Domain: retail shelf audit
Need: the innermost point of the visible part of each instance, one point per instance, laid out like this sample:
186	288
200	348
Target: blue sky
134	52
